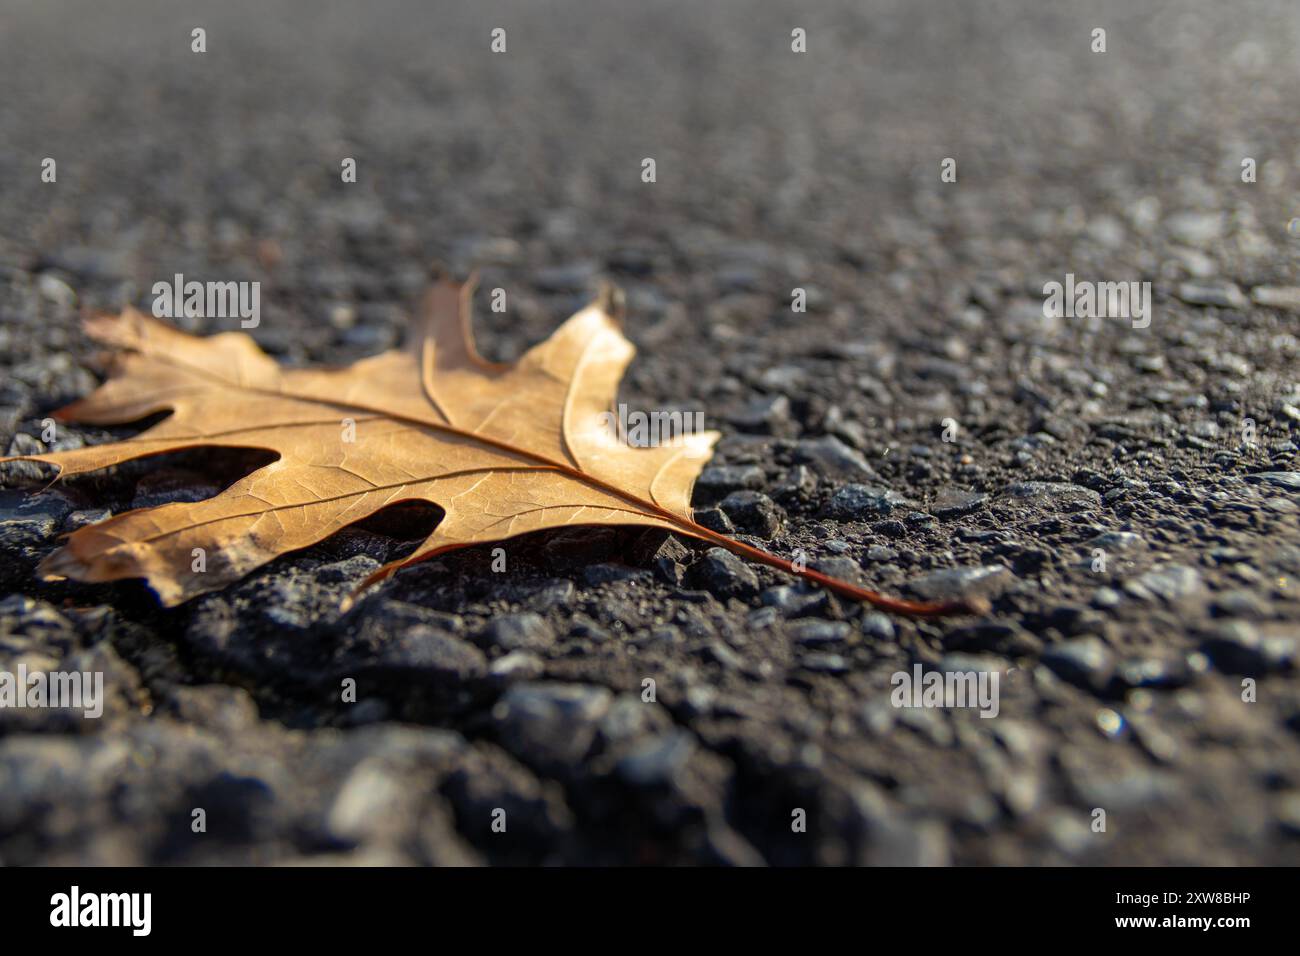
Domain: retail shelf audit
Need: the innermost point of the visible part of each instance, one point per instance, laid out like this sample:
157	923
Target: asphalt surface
1126	496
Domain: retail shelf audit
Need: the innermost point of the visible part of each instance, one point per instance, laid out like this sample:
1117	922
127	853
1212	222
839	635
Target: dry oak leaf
503	449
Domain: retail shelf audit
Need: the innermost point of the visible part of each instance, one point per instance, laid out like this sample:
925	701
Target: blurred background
771	166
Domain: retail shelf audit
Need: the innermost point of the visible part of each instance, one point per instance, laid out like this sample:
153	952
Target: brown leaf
503	449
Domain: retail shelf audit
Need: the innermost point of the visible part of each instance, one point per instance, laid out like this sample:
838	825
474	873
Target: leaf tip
611	300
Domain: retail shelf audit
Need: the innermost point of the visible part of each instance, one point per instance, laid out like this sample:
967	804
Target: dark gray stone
719	480
1225	295
550	725
823	663
761	414
795	600
861	503
813	633
715	519
948	583
1250	649
1085	662
1171	585
658	760
523	631
725	575
1048	494
832	458
951	503
1286	480
876	625
753	513
516	666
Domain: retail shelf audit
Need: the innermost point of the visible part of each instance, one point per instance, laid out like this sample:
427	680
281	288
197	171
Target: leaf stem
971	605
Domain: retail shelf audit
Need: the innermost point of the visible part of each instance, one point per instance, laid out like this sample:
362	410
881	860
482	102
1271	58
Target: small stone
1154	672
951	503
1171	585
1241	603
895	840
1116	541
523	631
839	566
762	414
1085	662
429	650
919	520
1196	228
1288	812
1248	649
669	559
753	513
724	655
551	725
715	519
1105	599
785	379
1053	494
342	316
893	528
83	519
824	663
657	760
557	594
371	796
724	574
1286	298
55	290
1224	295
1287	480
877	625
515	666
353	569
629	718
795	600
721	480
584	627
22	531
832	457
949	583
861	503
798	484
28	624
814	633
